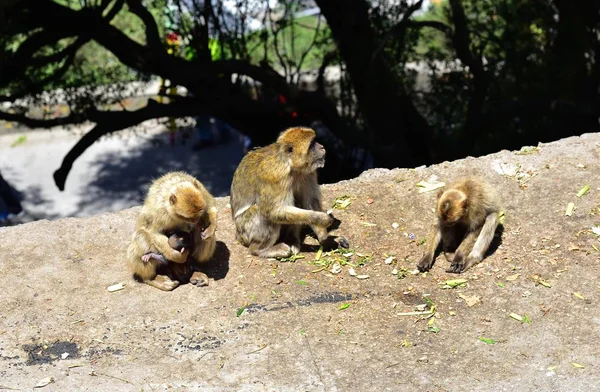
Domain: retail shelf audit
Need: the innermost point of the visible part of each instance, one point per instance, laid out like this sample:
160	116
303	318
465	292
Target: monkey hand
335	242
335	224
178	256
458	264
425	263
208	232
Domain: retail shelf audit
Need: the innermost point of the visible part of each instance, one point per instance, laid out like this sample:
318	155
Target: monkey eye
289	148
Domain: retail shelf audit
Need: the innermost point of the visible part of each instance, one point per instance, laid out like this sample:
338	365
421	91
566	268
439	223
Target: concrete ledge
59	321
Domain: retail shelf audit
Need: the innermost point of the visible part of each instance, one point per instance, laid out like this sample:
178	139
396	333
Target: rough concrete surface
59	320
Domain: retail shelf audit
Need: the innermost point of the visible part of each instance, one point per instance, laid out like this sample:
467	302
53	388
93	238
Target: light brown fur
175	202
466	220
275	192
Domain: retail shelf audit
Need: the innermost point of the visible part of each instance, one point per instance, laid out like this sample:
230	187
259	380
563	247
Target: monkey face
316	155
302	150
451	207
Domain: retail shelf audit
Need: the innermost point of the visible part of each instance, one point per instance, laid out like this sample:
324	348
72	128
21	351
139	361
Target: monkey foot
164	283
199	279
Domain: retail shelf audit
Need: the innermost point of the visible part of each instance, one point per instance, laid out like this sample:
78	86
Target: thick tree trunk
400	134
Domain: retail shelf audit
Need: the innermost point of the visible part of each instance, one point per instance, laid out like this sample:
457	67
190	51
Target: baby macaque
178	240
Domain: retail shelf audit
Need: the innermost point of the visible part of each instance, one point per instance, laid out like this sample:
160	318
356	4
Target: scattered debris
116	287
596	230
240	311
470	300
524	319
395	225
20	140
430	184
342	202
370	201
291	259
43	382
579	295
538	280
64	355
570	209
488	341
527	150
577	365
502	217
512	277
452	283
584	189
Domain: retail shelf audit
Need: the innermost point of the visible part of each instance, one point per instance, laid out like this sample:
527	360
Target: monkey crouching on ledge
176	202
275	193
466	220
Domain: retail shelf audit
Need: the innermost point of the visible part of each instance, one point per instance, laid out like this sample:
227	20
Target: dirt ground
281	326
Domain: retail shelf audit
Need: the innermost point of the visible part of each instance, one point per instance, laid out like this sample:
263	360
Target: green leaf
302	282
500	284
488	341
344	306
434	329
240	311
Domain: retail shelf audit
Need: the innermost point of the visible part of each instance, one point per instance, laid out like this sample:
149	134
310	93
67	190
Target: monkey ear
172	199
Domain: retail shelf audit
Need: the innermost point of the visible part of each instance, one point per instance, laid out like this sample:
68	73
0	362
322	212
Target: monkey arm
210	229
435	237
161	242
290	215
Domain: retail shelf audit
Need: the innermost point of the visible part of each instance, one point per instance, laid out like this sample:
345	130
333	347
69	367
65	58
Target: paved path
112	174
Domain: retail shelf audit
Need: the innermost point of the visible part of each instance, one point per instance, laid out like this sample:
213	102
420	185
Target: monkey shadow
494	245
218	267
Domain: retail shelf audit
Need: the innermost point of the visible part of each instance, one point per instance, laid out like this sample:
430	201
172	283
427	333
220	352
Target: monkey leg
260	235
279	250
484	239
458	262
291	235
427	259
163	282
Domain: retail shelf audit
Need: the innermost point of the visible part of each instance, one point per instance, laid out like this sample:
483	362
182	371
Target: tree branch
152	35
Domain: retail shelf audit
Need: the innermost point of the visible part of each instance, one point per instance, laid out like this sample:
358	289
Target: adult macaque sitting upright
275	193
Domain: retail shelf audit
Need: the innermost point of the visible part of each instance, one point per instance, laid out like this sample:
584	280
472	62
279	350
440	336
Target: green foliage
292	43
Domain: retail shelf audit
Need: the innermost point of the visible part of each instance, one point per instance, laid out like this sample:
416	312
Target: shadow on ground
121	180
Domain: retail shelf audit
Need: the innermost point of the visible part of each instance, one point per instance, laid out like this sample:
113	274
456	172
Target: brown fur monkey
466	220
175	202
275	192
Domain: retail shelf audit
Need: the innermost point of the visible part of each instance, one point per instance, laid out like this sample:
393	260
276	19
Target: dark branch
152	36
117	6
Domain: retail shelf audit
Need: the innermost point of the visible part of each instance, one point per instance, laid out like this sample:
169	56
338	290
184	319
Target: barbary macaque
466	220
275	193
175	202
